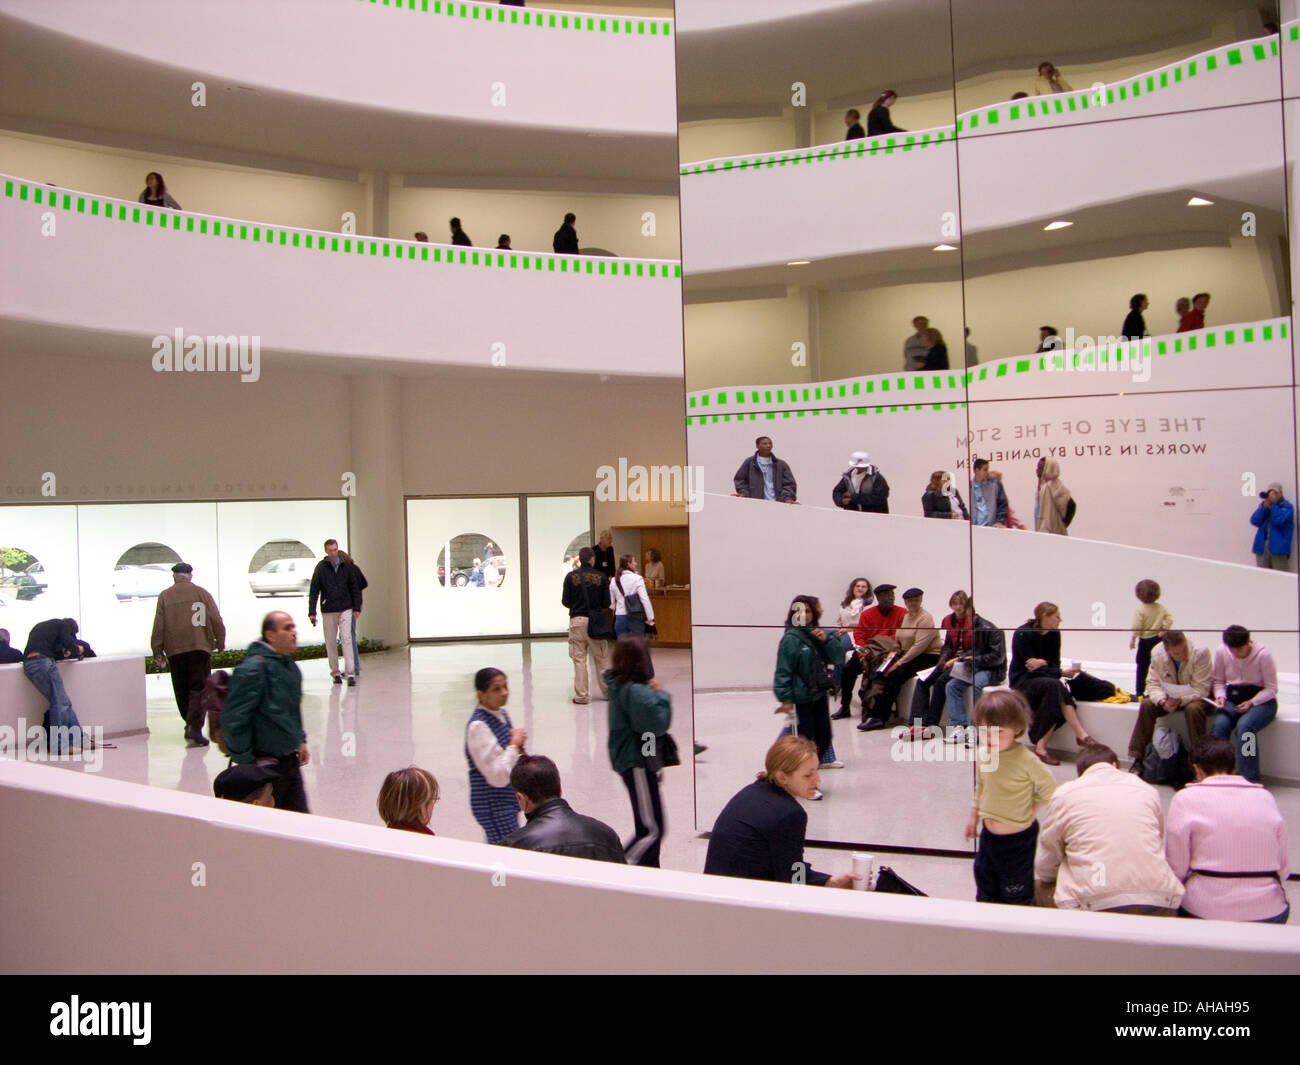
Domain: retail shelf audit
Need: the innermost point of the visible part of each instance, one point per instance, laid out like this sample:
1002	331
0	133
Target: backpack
212	699
1090	689
1167	760
631	603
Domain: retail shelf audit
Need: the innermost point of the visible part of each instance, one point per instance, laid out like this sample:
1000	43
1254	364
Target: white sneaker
957	734
831	765
817	796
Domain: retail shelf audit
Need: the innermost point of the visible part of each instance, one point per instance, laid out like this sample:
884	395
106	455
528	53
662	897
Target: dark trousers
929	697
814	722
190	671
882	706
648	816
1146	645
1004	867
288	792
1047	698
1145	726
849	674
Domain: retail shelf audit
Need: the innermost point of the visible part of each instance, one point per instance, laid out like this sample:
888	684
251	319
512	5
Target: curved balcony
109	266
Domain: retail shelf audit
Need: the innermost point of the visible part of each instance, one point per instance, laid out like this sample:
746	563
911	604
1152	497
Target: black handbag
632	603
665	755
1090	689
889	881
1238	693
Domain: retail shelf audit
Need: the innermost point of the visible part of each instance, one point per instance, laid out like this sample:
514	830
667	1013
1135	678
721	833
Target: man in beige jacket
1181	677
187	628
1101	843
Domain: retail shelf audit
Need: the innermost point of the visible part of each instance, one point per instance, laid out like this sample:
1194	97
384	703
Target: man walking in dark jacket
337	584
551	824
591	630
566	237
262	716
863	487
764	476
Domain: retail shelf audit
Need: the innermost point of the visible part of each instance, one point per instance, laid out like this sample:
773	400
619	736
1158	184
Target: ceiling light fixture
1200	201
799	262
944	247
1056	225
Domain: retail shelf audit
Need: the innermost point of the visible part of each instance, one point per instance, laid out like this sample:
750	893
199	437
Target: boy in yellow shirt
1011	786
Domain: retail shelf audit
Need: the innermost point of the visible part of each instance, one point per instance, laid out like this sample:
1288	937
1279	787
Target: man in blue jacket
261	719
1274	521
336	582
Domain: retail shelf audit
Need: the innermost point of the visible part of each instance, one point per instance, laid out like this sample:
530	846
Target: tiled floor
412	704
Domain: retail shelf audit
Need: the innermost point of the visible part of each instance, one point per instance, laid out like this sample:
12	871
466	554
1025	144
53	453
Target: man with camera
1274	521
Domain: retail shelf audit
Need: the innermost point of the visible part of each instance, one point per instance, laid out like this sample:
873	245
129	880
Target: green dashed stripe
814	412
959	380
1036	108
179	221
515	16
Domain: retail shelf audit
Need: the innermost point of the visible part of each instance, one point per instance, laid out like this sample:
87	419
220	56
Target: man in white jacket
1101	844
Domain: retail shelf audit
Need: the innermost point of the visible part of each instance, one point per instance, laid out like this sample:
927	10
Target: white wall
744	340
1195	502
323	301
276	884
240	192
613	223
379	56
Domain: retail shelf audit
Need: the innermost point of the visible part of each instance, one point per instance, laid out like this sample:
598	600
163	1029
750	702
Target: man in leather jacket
552	825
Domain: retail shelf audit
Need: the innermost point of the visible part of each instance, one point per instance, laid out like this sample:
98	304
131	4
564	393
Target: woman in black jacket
1036	673
760	832
936	351
1135	326
878	120
941	499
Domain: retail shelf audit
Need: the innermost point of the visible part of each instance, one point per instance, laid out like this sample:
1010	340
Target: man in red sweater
879	620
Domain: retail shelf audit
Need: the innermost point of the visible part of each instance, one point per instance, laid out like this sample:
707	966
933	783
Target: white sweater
635	586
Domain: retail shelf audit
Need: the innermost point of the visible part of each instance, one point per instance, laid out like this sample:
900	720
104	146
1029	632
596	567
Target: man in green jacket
262	716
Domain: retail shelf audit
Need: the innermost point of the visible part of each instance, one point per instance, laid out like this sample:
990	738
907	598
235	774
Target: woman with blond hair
760	832
406	799
936	351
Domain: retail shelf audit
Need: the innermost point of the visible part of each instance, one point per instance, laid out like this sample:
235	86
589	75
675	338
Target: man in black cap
918	648
8	654
251	783
187	628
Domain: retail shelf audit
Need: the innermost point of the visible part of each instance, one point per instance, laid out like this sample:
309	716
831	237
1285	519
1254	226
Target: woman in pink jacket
1226	841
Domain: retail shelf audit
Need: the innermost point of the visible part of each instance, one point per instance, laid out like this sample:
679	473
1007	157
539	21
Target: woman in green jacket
640	712
804	661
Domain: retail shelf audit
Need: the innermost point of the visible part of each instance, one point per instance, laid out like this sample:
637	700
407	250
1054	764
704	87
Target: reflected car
141	582
283	576
24	585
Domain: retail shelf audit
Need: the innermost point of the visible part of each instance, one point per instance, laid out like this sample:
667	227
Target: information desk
672	616
108	692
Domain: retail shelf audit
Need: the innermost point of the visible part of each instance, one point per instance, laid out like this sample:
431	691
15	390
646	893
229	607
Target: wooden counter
672	616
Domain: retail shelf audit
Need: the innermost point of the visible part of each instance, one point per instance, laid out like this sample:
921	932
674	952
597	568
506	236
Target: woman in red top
406	799
930	694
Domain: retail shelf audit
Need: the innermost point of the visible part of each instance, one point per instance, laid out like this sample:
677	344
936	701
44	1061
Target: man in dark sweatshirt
49	643
566	237
336	582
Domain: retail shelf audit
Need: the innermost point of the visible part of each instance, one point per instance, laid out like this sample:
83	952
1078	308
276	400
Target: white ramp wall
289	893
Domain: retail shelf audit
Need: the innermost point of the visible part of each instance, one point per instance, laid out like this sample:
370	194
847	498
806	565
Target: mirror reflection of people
503	243
857	597
941	498
155	192
1053	500
476	577
936	351
638	707
1195	318
1036	674
764	476
421	236
632	606
1048	339
760	833
8	655
407	798
492	747
1274	522
1245	693
915	348
802	680
458	235
862	487
878	120
1181	306
565	241
1135	326
853	122
989	497
1048	81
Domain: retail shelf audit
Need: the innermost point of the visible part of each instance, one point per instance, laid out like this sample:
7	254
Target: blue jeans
957	696
1248	726
356	656
44	675
629	626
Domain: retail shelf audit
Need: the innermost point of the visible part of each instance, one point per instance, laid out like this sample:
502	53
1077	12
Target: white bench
106	692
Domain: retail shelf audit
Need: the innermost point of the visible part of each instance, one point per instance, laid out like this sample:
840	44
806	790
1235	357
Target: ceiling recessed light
1200	201
945	247
1056	225
799	262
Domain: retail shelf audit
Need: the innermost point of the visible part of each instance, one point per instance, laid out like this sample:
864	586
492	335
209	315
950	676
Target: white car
282	576
141	582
